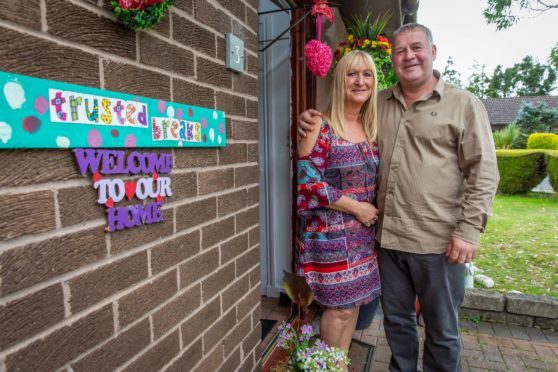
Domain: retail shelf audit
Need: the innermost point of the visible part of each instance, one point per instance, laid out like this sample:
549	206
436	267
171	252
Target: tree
501	12
478	81
450	74
536	118
503	82
534	79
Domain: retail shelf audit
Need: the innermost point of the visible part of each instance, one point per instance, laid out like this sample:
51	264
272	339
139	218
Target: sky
460	31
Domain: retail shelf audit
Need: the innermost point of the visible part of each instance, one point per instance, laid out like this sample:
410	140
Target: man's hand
306	121
460	251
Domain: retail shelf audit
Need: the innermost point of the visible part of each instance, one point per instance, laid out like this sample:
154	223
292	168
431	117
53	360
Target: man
438	177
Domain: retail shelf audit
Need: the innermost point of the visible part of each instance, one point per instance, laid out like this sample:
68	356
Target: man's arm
477	160
307	121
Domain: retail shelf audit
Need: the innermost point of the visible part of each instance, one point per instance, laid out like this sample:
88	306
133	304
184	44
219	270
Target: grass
519	249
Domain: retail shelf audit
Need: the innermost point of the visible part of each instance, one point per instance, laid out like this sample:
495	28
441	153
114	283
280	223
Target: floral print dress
336	251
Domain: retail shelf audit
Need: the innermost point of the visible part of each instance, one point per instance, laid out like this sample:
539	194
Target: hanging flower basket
140	14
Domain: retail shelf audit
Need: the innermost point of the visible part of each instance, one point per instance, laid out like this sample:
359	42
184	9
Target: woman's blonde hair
335	113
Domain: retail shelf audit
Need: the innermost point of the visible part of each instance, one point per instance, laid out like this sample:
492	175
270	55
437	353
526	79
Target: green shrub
552	168
548	141
520	170
507	137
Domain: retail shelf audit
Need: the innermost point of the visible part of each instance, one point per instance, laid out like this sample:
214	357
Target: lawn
519	249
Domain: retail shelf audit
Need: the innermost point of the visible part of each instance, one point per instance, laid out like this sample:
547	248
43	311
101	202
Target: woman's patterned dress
336	251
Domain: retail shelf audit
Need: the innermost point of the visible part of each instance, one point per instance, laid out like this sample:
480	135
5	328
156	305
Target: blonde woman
337	176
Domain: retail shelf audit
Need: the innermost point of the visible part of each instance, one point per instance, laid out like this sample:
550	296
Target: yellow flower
350	37
347	50
366	43
388	51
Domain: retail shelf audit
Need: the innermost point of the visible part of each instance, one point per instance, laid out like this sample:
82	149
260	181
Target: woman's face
359	83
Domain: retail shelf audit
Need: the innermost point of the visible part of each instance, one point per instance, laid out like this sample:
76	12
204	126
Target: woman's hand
366	213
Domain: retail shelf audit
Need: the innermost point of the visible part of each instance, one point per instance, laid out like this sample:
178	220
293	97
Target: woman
337	170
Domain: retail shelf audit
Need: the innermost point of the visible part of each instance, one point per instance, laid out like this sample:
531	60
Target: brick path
486	346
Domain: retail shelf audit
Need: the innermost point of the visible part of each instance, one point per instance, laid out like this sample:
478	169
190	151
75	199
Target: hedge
548	141
552	168
520	170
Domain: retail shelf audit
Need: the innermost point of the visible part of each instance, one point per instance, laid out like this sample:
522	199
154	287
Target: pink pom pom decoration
318	57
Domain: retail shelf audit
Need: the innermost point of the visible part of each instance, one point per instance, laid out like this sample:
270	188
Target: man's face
412	57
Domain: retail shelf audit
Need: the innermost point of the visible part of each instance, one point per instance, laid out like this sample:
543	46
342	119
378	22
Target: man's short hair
414	26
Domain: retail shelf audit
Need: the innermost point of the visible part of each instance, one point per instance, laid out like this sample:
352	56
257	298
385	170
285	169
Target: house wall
178	295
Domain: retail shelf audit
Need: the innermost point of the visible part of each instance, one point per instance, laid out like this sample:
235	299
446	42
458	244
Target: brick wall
179	295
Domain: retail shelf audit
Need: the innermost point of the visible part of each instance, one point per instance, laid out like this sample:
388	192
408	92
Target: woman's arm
365	212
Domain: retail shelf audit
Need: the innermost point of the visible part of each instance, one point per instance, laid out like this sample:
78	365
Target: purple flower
307	329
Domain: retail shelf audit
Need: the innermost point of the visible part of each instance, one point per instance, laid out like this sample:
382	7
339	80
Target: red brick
254	236
146	298
252	19
212	361
196	37
228	127
156	52
197	324
157	356
255	277
235	292
18	53
28	167
231	104
233	153
184	185
211	16
129	79
173	252
163	27
185	5
234	6
234	248
217	232
247	219
27	13
248	364
107	280
245	84
221	49
78	205
247	261
215	180
217	281
250	37
231	202
198	267
117	351
234	338
251	109
132	238
188	359
253	195
192	214
196	157
245	130
246	175
192	94
252	64
36	262
67	21
252	340
247	304
29	214
30	315
176	310
61	346
253	152
232	362
213	73
215	334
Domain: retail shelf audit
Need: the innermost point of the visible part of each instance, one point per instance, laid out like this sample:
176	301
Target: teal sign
40	113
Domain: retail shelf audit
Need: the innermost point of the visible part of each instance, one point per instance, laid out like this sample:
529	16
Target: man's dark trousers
440	288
